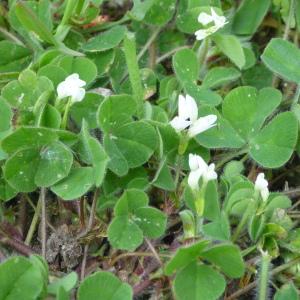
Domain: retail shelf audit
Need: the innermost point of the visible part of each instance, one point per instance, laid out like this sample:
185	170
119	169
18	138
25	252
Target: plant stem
170	53
152	249
133	70
142	254
178	166
229	157
264	277
289	20
66	114
243	222
43	220
10	36
252	285
149	42
89	227
297	95
33	224
202	53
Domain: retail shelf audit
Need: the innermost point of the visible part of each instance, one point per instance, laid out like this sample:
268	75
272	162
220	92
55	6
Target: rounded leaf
104	286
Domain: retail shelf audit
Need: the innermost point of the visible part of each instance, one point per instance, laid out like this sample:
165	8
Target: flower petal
62	90
205	18
193	179
201	34
180	124
210	173
78	95
183	110
219	21
192	108
261	183
193	162
202	124
265	194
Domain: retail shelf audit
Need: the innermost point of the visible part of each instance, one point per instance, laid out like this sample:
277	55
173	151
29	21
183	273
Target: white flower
199	168
188	117
205	19
71	87
261	185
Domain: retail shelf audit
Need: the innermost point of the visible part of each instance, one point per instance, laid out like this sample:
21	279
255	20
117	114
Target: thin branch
154	251
89	227
43	221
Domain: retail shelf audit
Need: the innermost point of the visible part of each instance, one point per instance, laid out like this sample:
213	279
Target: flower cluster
205	19
187	118
261	185
199	168
72	87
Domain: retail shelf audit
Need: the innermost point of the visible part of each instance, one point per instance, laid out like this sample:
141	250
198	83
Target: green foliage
96	109
133	220
103	285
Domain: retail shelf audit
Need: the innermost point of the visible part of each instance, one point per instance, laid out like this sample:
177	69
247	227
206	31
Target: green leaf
79	181
186	66
198	282
275	143
55	163
32	22
163	178
202	95
136	141
92	153
228	258
124	234
221	136
50	117
218	229
187	20
140	9
87	110
24	92
62	294
104	286
117	163
249	16
13	57
20	278
246	109
287	291
160	12
68	282
84	67
103	60
6	115
231	47
184	256
212	205
130	201
28	137
219	76
20	169
152	221
55	73
275	58
105	41
7	192
116	111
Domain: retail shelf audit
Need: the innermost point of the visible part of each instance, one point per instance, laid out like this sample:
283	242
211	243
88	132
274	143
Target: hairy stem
264	275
